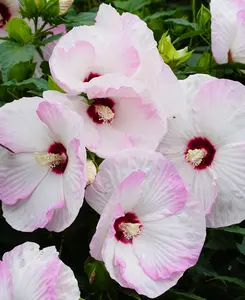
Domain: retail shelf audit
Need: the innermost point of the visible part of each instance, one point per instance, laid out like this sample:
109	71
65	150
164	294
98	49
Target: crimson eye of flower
102	111
127	228
91	76
5	15
200	153
56	158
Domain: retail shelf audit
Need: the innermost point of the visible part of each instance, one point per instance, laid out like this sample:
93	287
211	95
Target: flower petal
34	272
223	101
36	211
63	123
223	28
6	284
172	244
15	134
74	182
229	168
114	170
163	191
123	266
19	176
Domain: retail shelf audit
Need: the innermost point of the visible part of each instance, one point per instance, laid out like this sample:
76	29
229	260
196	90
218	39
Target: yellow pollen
195	156
105	113
130	230
49	160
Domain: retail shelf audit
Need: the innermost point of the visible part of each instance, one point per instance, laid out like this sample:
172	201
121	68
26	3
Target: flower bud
170	55
65	5
91	171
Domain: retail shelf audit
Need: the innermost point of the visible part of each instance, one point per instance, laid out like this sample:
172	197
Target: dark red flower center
91	76
5	15
200	153
55	158
62	158
127	228
101	111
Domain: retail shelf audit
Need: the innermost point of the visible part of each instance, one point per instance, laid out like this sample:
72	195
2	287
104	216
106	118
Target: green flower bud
170	55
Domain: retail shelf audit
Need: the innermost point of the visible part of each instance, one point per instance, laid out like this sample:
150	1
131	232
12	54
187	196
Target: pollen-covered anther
50	160
130	230
105	113
195	156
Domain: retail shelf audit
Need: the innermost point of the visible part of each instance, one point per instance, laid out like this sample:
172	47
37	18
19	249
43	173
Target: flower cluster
172	151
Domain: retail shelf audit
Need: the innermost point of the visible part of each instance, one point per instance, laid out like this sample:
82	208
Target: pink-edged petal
229	168
74	182
172	244
69	66
163	191
63	123
19	176
223	102
123	199
112	211
36	211
6	284
123	266
35	273
114	170
192	84
223	28
106	16
15	134
238	44
66	285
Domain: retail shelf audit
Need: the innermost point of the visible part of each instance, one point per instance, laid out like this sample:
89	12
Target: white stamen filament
195	156
130	230
49	160
105	113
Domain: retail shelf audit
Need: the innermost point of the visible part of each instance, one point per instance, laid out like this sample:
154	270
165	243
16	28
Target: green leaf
186	296
22	71
131	5
54	86
233	229
11	54
98	276
188	35
38	84
182	22
241	247
131	293
160	14
50	39
51	10
84	18
19	30
236	281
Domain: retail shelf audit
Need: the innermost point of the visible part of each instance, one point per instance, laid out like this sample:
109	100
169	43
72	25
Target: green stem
194	11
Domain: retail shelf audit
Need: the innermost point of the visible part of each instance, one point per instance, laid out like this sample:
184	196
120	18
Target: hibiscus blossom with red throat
43	177
118	114
150	230
206	144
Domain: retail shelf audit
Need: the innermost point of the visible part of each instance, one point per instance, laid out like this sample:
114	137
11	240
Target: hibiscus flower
43	177
117	115
206	144
150	230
